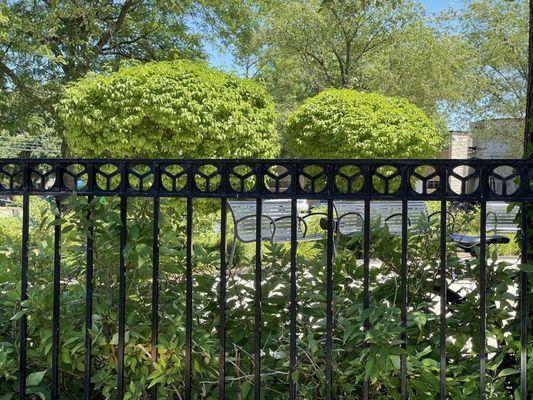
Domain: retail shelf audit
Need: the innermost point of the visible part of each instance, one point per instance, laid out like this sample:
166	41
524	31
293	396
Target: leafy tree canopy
169	109
469	64
349	124
497	31
303	47
45	44
430	68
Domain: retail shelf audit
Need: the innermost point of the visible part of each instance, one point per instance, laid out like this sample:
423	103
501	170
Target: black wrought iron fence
260	180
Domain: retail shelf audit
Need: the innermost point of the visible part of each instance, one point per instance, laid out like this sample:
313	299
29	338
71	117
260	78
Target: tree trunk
528	154
528	137
65	151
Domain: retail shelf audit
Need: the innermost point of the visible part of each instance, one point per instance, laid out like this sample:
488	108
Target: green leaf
35	378
245	389
114	339
396	361
507	372
18	315
527	268
420	319
429	362
295	376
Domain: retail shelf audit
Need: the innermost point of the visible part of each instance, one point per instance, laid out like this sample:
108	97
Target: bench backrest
499	220
244	218
354	211
4	200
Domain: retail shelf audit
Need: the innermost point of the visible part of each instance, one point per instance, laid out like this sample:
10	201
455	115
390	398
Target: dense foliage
46	44
169	110
374	355
392	47
351	124
465	64
498	32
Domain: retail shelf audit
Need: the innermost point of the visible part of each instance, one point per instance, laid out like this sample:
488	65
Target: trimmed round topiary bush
351	124
176	109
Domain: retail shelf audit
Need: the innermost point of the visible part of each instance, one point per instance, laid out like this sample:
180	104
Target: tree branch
321	63
342	70
127	42
108	34
28	92
507	80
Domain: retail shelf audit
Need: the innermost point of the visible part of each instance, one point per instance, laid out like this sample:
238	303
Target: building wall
458	145
460	142
488	139
497	139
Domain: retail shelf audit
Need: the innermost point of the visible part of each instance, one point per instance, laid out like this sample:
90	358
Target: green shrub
10	229
169	110
351	124
357	355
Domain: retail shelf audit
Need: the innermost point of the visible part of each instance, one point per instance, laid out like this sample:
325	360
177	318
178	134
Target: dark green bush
357	355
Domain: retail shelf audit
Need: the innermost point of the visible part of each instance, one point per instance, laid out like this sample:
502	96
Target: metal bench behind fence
350	220
275	223
350	215
501	219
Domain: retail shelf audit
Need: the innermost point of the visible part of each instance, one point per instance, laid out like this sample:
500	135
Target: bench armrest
450	217
397	215
495	229
298	218
254	216
348	214
312	214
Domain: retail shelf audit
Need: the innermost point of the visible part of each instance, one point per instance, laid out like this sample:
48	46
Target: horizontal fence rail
478	181
311	179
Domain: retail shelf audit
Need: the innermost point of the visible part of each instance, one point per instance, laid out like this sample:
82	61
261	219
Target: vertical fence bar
257	300
366	278
122	297
523	301
222	294
483	303
54	394
329	302
89	284
88	300
188	302
403	295
24	295
524	311
293	301
443	298
155	288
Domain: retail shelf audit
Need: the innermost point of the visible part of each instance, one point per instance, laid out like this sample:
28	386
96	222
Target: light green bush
10	229
352	124
170	109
